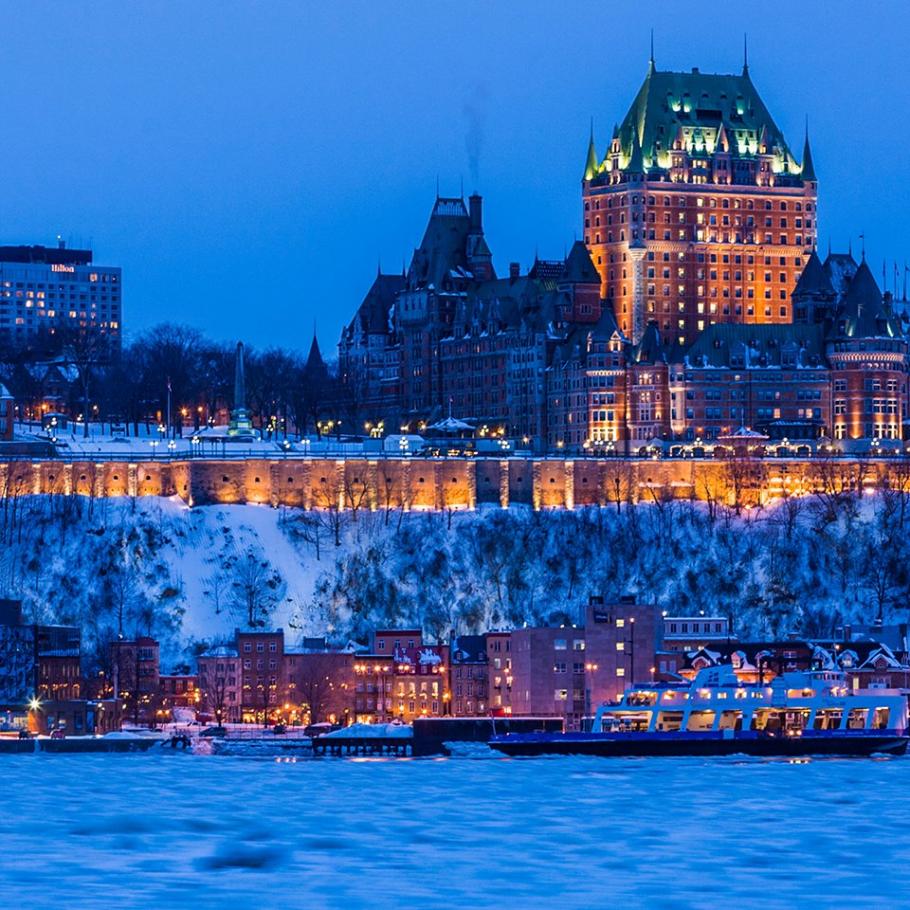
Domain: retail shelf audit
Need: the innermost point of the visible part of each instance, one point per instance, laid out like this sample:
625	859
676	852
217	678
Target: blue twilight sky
247	164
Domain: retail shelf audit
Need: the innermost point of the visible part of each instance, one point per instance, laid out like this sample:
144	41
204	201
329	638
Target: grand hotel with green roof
696	307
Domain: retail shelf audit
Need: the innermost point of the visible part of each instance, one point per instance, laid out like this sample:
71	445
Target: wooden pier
397	746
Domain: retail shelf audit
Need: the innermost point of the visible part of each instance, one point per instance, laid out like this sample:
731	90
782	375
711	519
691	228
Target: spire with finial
591	161
651	65
808	171
862	252
745	53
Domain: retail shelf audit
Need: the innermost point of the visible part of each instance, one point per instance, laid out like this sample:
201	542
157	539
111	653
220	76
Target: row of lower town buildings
41	681
563	671
559	671
696	304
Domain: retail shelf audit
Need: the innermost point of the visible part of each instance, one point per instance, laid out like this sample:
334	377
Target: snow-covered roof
450	425
220	651
428	658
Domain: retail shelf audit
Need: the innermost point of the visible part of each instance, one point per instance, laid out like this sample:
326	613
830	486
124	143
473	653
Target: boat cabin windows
730	720
828	719
856	719
880	719
701	721
642	699
669	721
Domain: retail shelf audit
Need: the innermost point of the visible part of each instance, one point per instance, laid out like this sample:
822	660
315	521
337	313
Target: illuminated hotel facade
48	290
698	212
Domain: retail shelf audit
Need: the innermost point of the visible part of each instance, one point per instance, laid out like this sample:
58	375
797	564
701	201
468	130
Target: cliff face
154	566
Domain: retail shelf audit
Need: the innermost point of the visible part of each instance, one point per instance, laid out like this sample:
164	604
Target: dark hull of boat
698	744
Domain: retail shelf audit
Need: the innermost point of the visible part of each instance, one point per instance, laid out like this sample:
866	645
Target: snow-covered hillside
191	576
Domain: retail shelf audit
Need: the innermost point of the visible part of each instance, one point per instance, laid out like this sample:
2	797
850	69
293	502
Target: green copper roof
591	162
704	111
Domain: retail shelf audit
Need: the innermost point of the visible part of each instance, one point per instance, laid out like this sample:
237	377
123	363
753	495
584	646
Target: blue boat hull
849	743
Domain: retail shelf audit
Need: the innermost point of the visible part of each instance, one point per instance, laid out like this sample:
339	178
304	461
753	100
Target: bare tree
257	587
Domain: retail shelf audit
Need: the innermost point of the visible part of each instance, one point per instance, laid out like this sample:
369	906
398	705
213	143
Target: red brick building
470	678
177	690
320	683
263	680
401	678
135	677
220	684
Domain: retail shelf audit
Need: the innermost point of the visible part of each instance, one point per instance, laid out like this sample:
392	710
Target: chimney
514	270
475	207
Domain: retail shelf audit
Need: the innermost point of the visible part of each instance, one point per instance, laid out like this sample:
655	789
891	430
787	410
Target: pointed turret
314	369
808	171
591	162
814	294
862	313
636	163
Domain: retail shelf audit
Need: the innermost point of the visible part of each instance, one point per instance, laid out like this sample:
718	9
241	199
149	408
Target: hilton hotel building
46	290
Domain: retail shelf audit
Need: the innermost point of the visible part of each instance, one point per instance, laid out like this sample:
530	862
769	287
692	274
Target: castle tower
698	212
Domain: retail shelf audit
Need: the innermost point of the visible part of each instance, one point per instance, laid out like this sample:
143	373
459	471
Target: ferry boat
796	714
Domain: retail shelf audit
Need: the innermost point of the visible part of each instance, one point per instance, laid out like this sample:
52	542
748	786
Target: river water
162	831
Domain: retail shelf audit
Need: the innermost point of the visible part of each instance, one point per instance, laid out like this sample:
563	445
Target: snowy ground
139	831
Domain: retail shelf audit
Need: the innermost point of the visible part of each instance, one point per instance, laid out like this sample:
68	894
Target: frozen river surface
162	831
